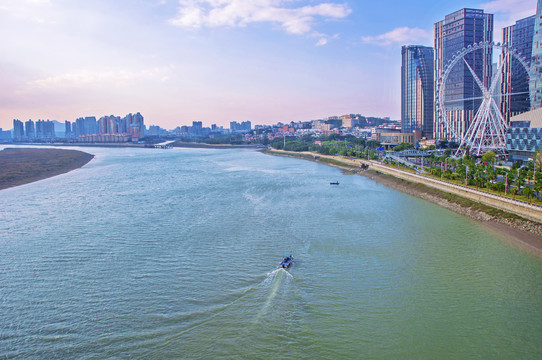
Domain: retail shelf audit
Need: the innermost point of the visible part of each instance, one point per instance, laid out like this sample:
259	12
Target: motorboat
334	183
287	260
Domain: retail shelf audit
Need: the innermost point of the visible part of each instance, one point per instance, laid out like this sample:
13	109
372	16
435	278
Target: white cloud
196	14
321	42
86	78
507	12
400	36
519	8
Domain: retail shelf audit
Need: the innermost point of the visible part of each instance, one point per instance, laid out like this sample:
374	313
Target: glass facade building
515	80
524	136
535	83
458	30
417	82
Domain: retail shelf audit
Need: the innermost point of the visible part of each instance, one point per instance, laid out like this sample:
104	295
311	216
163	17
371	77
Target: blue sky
216	61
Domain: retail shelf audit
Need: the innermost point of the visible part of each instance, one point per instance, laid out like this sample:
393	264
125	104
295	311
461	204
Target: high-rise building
458	30
45	129
18	130
515	80
30	130
112	125
68	129
85	126
130	122
417	81
535	83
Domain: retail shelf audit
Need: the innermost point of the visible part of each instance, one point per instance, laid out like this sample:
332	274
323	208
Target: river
154	254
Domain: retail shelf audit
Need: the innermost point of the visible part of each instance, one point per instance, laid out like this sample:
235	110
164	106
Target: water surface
148	253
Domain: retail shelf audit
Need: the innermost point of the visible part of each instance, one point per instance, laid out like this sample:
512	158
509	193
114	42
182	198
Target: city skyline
215	61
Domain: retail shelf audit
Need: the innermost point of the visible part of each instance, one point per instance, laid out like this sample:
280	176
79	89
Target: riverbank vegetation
22	166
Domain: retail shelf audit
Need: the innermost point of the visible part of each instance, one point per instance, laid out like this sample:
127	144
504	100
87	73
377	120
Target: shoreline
21	166
521	232
213	146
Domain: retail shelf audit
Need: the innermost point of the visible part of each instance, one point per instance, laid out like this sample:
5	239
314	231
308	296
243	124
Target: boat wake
277	281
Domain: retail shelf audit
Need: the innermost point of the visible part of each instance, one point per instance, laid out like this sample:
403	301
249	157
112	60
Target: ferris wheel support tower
487	129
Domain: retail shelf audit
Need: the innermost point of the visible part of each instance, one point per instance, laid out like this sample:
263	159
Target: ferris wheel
487	129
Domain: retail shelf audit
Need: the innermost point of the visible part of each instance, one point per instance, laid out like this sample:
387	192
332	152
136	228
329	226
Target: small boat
334	183
287	260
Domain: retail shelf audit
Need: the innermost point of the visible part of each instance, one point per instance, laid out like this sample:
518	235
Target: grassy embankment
22	166
532	199
456	199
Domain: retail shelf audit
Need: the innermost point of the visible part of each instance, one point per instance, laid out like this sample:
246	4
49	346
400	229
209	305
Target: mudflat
20	166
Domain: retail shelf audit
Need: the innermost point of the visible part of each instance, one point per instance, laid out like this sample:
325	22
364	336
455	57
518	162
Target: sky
215	61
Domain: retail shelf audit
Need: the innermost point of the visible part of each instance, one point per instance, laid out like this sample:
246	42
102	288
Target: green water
158	254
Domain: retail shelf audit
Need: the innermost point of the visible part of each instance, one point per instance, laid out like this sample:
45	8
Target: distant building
30	130
535	83
45	129
85	126
245	126
5	136
110	125
155	131
350	122
524	136
18	130
417	81
458	30
514	78
68	133
391	139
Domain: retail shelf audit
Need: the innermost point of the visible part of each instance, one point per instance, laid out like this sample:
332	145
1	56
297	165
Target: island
20	166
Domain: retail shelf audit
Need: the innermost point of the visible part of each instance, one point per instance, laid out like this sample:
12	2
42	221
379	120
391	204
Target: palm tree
537	187
537	159
527	191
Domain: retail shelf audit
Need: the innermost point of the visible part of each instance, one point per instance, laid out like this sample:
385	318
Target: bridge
164	145
415	153
393	156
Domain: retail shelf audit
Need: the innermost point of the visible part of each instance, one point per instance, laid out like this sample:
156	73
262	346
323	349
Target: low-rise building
392	138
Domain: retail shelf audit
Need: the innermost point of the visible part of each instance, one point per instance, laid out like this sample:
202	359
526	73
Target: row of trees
484	172
334	144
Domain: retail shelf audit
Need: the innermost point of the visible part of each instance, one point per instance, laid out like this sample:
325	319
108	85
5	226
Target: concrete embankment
525	210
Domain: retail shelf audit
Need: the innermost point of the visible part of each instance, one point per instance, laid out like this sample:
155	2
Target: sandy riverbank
20	166
523	233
